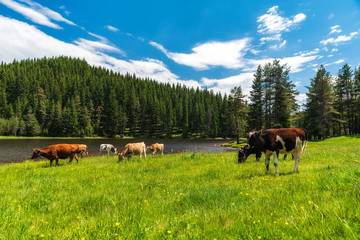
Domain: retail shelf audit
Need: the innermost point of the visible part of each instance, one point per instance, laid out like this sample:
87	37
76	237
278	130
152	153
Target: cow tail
304	142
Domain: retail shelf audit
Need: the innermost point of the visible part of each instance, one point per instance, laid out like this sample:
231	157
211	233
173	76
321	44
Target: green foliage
273	103
67	97
186	196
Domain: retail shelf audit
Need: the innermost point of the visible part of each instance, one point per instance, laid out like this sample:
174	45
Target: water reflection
17	150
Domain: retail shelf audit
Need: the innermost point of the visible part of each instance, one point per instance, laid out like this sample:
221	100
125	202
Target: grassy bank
197	196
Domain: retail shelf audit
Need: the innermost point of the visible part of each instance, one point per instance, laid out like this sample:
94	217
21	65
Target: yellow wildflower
309	202
169	231
117	224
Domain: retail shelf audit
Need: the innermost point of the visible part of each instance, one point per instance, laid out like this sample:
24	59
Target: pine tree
342	91
238	111
256	115
320	113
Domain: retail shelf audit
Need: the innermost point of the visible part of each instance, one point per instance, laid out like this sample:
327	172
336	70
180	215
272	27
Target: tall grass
186	196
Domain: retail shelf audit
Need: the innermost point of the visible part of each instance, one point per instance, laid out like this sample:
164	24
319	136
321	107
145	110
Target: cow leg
258	156
162	153
57	161
144	153
297	160
267	161
51	162
77	159
276	160
71	158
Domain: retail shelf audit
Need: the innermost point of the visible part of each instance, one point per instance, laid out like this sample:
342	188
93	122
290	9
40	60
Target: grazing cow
83	150
156	147
56	152
107	148
133	149
275	141
244	154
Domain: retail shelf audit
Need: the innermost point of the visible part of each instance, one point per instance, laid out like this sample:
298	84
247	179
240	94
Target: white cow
107	148
133	149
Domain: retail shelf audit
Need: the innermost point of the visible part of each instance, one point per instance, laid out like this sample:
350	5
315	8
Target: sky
209	44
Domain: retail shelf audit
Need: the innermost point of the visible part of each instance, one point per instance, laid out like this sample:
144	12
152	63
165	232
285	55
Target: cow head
242	155
36	153
251	139
121	156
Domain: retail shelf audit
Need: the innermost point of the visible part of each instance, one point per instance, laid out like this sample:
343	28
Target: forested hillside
67	97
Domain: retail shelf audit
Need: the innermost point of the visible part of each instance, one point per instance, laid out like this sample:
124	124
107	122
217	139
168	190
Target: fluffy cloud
36	13
272	23
226	54
335	29
24	41
339	39
226	84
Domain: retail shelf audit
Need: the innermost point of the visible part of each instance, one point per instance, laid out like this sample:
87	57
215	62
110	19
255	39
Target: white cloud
301	98
226	54
334	50
111	28
226	84
36	13
273	23
331	16
278	46
24	41
335	29
275	37
334	63
339	39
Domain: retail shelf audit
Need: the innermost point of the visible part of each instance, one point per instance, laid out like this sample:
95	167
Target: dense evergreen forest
67	97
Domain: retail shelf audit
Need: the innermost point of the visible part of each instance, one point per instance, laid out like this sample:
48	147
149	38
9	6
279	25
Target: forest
66	97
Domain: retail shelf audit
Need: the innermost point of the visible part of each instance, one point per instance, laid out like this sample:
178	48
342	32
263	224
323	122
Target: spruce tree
320	113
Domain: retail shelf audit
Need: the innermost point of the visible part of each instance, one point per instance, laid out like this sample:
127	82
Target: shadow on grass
257	174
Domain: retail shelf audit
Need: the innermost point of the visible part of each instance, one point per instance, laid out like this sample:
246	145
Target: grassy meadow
186	196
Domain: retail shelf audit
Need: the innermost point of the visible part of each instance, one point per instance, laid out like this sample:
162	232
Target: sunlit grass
197	196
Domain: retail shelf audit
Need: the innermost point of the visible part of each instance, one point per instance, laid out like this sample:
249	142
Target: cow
56	152
156	147
83	150
244	154
133	149
107	148
275	141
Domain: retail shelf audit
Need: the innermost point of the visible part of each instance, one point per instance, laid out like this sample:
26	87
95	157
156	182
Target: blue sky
213	44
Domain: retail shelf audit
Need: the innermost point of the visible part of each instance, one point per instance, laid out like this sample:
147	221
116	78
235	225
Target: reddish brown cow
56	152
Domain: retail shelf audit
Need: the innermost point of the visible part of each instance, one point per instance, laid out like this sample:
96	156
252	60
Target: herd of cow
63	151
269	141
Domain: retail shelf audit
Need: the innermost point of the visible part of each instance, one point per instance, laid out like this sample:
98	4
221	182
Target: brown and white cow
133	149
275	141
56	152
156	147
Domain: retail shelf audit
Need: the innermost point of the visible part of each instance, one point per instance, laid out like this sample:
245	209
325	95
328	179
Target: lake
17	150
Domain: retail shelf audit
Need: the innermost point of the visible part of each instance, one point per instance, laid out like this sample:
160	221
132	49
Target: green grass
186	196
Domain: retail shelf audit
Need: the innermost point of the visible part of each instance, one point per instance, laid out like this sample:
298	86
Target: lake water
17	150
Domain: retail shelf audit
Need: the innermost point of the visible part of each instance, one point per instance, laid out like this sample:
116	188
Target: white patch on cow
251	133
279	139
